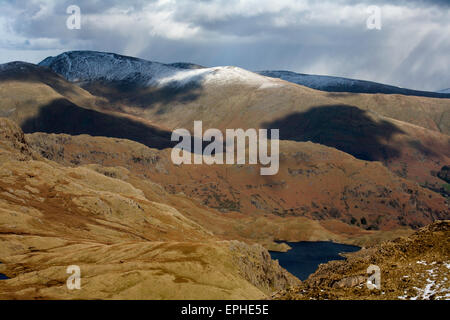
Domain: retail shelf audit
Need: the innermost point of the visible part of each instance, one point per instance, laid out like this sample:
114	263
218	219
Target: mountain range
85	148
79	66
339	84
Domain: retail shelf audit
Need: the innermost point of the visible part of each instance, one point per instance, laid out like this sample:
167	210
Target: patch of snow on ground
436	284
434	288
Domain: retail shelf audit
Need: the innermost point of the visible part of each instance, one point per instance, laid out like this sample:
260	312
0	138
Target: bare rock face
12	139
350	282
255	265
10	131
444	174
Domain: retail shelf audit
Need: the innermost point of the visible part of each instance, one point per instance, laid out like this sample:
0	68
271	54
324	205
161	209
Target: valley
86	178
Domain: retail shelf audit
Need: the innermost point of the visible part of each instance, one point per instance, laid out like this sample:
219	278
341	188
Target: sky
328	37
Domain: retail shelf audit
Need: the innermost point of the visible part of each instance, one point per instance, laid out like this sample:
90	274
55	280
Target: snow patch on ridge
311	81
86	66
218	76
339	84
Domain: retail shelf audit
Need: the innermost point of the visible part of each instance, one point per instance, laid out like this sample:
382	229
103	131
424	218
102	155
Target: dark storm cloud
324	37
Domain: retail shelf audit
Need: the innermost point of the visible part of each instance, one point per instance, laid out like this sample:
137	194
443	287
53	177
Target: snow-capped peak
87	66
80	66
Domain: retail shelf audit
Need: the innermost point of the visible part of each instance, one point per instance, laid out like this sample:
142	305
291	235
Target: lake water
304	257
2	276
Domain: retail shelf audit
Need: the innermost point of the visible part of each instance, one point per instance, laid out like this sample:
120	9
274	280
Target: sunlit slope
127	245
315	182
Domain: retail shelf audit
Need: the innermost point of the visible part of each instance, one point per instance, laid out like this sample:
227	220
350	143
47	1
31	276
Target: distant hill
80	66
229	97
381	127
338	84
125	97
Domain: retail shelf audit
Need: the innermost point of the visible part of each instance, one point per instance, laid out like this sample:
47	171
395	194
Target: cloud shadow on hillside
346	128
33	74
132	94
62	116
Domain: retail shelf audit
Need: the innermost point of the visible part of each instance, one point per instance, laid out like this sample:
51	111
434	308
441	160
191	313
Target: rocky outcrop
350	282
255	265
13	143
444	174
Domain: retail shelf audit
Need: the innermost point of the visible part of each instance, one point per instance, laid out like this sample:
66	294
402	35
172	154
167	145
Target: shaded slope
62	116
410	151
343	127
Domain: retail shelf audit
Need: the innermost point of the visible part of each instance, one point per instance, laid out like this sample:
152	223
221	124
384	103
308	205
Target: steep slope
53	216
412	268
339	84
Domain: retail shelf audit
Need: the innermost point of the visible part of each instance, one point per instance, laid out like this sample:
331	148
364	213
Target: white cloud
325	37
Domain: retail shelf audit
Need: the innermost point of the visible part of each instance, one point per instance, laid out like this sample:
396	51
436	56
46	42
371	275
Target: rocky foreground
134	240
412	268
127	243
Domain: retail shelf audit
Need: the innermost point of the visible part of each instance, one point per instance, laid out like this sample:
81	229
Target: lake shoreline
304	257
